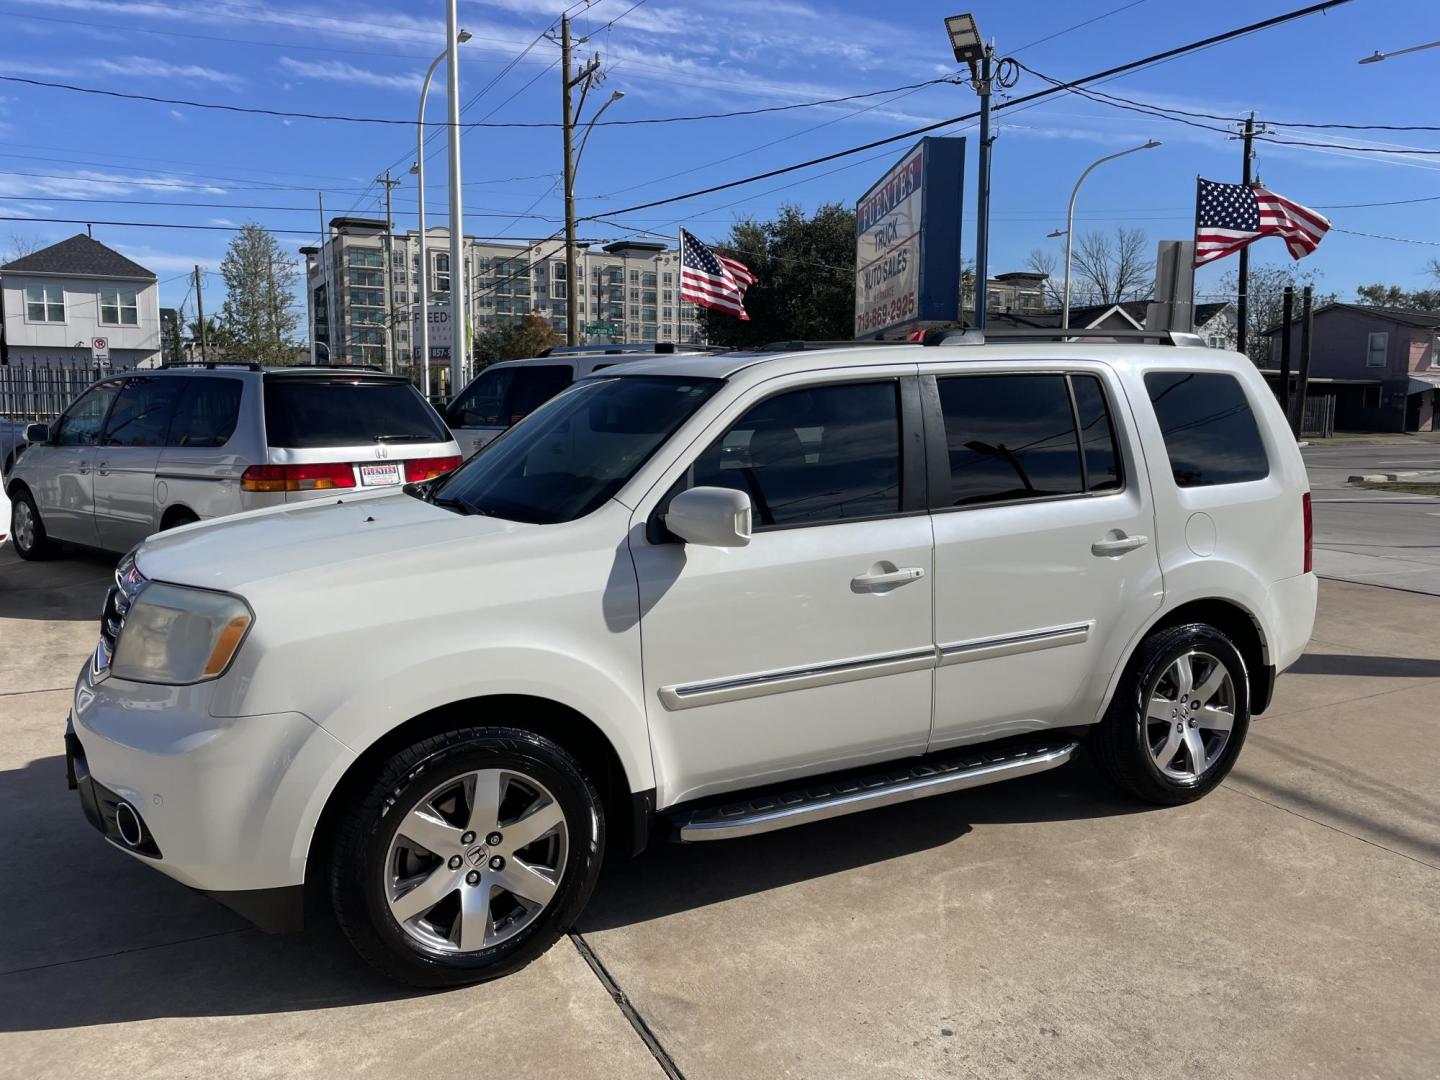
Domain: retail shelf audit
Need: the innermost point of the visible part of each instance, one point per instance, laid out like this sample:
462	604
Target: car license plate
379	475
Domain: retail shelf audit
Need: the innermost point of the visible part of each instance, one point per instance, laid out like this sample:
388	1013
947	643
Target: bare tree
1110	269
1433	269
17	246
1043	262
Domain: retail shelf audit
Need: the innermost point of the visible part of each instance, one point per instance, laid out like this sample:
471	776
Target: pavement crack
1326	825
126	952
632	1014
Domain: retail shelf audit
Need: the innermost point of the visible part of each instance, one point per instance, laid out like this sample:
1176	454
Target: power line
1180	50
1077	26
237	228
1378	236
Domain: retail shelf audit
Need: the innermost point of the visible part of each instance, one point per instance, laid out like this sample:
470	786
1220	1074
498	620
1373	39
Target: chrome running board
817	802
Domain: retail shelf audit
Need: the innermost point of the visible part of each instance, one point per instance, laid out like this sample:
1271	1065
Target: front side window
80	426
45	303
141	414
502	396
815	456
1210	431
118	307
1009	437
575	451
206	413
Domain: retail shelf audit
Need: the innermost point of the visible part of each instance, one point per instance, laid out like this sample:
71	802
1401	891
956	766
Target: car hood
313	537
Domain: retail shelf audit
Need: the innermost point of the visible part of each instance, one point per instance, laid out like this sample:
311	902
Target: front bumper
226	805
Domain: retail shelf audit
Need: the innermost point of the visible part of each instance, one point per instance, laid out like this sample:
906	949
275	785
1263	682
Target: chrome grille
129	582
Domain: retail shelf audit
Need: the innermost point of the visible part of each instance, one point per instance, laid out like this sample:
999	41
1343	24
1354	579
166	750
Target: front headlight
176	636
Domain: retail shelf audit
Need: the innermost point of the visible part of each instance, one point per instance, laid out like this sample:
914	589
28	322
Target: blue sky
674	57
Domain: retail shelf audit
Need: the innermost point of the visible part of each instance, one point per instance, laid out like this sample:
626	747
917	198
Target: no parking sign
100	350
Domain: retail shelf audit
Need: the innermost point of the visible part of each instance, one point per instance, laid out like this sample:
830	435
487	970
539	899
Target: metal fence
42	391
1318	419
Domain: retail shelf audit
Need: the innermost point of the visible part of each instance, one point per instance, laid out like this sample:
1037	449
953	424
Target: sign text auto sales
887	256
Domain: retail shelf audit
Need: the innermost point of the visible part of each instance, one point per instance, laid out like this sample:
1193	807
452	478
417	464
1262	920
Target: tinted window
80	426
303	412
206	413
1209	430
808	457
576	451
1097	434
504	396
1009	437
141	414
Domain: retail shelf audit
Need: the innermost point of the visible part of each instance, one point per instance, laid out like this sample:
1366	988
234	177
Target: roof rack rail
248	365
327	367
797	345
972	336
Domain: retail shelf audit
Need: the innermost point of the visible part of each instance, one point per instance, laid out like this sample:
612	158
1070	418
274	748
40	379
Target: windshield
575	451
303	413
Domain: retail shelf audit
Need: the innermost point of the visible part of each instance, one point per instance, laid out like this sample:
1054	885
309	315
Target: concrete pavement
1285	926
1369	536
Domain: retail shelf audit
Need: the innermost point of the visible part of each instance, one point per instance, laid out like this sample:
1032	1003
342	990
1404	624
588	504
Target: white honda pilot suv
703	596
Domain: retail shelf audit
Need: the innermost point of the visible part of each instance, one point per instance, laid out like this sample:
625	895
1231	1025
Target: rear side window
206	413
141	414
302	413
1210	432
1097	434
814	456
505	396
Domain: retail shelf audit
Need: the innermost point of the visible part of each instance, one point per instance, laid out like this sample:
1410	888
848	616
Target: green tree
531	336
805	278
1392	296
258	317
1267	301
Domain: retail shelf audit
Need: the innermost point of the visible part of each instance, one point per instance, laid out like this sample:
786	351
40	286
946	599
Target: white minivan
699	598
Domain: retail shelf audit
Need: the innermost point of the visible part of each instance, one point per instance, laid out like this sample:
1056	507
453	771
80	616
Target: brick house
1382	365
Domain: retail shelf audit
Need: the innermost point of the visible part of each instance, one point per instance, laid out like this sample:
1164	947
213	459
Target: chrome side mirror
711	516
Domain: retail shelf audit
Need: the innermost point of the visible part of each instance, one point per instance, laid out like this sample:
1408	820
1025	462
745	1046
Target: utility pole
274	308
328	263
1242	301
1302	384
568	83
982	225
200	308
459	328
390	351
1287	315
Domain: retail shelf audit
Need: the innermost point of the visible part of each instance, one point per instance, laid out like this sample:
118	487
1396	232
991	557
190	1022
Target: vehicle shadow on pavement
671	878
1379	666
69	587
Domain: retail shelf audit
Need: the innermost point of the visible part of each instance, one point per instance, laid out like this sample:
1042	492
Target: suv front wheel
470	855
1178	718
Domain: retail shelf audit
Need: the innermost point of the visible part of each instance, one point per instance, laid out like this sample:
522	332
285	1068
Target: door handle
872	582
103	468
83	470
1118	546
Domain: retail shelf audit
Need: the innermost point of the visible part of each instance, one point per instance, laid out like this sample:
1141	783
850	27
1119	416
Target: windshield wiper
408	438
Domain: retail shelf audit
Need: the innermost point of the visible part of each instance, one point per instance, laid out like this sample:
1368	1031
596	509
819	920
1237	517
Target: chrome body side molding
802	678
964	652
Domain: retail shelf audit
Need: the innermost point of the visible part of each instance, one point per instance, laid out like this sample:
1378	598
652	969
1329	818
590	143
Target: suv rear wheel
470	855
1179	717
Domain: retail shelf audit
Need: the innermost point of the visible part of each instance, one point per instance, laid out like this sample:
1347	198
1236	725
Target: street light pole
1377	56
1070	221
459	331
982	224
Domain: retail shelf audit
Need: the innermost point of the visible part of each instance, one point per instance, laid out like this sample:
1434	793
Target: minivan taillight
427	468
1309	533
311	477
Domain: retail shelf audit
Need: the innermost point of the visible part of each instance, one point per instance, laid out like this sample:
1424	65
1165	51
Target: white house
58	300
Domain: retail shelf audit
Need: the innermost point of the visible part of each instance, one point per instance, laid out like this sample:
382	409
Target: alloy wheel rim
1189	715
476	861
24	524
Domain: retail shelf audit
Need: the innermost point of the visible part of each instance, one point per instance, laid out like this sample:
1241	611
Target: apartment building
363	290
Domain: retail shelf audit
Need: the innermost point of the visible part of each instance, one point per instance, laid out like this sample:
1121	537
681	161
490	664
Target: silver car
150	450
505	393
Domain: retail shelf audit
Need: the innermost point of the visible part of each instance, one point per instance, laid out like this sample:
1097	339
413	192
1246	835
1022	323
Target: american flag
712	280
1229	216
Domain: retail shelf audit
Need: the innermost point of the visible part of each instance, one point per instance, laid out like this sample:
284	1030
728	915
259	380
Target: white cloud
339	71
94	183
126	67
222	221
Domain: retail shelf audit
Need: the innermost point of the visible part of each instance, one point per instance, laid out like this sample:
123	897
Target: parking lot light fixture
964	38
1377	55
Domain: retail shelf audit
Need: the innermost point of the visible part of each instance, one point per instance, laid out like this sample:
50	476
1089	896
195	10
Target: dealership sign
440	329
907	237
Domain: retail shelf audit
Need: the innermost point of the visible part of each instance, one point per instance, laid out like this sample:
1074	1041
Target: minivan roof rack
1178	338
804	346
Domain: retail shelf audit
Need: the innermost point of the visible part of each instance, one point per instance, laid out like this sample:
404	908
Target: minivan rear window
302	413
1210	431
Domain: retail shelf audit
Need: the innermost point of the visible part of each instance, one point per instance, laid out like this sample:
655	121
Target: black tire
40	546
175	518
360	868
1125	743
